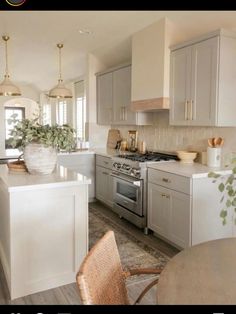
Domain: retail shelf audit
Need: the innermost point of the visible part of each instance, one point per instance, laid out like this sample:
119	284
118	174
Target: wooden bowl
186	157
18	166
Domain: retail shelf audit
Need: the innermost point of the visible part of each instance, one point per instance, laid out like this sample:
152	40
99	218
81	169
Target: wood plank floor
68	294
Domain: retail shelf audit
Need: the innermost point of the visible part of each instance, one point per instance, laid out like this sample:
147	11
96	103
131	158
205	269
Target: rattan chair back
100	278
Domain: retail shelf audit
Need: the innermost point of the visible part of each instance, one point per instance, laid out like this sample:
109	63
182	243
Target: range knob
135	172
117	165
126	167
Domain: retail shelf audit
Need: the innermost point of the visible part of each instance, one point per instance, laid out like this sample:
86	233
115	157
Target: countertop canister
213	156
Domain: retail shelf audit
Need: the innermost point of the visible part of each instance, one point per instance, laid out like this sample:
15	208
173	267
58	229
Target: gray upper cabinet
114	99
122	96
202	80
104	99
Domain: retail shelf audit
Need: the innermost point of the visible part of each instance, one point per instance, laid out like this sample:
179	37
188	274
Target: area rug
133	252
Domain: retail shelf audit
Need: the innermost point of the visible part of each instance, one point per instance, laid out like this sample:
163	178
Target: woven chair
101	279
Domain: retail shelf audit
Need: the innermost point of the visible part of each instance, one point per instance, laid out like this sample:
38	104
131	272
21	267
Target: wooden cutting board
113	138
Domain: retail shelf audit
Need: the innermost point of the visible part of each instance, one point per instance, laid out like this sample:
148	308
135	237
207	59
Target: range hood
153	104
150	67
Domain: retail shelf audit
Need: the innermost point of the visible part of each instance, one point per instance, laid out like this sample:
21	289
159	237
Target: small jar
123	145
142	147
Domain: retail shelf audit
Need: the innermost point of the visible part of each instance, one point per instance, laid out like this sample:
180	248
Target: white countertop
194	170
61	177
77	152
107	152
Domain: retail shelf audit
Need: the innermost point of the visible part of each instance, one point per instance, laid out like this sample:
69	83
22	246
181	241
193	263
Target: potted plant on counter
40	143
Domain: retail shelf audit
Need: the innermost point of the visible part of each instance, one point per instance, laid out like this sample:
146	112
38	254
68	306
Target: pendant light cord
6	38
60	46
6	61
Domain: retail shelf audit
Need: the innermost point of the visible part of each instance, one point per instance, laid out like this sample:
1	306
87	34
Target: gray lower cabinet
169	207
81	163
169	214
186	211
104	182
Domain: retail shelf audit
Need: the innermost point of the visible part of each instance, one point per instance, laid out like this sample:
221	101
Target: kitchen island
43	228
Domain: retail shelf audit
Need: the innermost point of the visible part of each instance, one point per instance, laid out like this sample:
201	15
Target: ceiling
33	55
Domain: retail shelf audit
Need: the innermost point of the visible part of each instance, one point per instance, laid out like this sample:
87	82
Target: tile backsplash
162	136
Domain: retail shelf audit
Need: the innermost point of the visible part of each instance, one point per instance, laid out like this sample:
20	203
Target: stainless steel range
129	172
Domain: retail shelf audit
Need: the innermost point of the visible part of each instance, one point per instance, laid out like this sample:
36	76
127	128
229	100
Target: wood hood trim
150	104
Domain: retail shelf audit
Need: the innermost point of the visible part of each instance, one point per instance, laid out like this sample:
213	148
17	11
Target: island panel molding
43	233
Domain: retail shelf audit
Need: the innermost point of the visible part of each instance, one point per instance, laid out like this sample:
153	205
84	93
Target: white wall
29	99
97	133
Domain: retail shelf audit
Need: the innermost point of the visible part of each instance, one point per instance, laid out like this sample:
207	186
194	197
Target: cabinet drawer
104	161
170	180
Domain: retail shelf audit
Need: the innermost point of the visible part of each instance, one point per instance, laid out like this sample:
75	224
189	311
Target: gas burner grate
152	156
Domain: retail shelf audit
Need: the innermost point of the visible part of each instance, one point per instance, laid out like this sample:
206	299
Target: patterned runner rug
133	253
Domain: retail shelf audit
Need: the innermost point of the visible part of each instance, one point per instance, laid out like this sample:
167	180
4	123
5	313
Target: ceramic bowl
186	157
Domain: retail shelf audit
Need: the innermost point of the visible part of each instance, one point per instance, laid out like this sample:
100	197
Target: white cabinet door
206	221
180	219
104	99
104	185
180	86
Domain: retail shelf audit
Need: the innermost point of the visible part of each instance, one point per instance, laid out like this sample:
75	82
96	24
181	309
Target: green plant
226	185
61	137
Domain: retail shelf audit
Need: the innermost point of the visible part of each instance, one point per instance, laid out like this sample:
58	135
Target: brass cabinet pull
110	114
191	109
125	113
121	114
165	195
186	110
166	180
105	173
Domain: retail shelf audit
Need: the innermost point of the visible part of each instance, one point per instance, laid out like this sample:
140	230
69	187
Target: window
46	114
9	111
61	112
80	102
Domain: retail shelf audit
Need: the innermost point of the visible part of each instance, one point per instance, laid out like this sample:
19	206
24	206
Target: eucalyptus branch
61	137
226	185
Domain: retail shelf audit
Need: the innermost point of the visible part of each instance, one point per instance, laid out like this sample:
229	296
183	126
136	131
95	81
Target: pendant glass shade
7	88
60	91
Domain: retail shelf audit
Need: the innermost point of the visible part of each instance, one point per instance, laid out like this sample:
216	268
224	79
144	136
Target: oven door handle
134	182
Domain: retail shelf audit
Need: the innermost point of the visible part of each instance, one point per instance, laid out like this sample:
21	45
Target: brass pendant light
60	91
7	88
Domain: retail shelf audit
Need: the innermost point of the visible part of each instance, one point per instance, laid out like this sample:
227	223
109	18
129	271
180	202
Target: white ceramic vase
40	159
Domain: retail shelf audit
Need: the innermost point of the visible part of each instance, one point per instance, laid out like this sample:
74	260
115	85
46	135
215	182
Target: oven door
127	192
